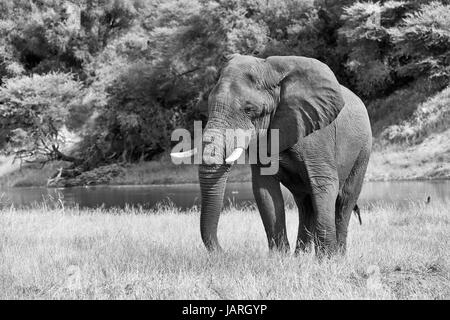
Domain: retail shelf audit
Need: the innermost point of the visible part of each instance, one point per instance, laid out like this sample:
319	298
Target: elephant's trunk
212	185
213	174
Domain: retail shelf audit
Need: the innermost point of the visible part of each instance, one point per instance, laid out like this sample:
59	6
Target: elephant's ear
310	98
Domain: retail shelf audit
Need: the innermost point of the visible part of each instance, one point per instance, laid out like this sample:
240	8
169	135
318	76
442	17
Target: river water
188	195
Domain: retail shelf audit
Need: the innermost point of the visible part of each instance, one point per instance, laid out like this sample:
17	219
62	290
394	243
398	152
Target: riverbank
65	253
383	167
162	171
429	159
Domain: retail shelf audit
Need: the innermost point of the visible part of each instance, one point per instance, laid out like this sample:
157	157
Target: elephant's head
295	95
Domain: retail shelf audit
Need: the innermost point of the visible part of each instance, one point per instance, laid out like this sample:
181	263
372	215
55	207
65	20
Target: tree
423	42
139	69
365	34
35	110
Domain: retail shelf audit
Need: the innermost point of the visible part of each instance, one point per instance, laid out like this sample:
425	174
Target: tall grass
58	252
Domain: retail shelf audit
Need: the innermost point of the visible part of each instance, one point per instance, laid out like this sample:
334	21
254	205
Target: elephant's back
353	120
353	133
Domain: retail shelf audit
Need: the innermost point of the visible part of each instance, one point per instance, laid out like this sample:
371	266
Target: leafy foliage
122	74
395	43
424	37
34	112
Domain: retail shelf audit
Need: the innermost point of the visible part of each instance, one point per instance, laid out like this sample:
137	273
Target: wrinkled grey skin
325	143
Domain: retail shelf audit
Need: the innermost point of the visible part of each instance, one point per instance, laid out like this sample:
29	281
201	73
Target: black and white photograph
205	151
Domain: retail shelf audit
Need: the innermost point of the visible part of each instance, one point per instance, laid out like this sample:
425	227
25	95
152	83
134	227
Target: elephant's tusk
234	156
185	154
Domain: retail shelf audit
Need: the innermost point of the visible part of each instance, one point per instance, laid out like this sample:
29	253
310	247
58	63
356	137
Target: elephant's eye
251	78
250	110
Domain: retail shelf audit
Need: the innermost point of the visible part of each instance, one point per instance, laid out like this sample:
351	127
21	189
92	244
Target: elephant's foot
325	251
325	243
303	247
279	243
342	247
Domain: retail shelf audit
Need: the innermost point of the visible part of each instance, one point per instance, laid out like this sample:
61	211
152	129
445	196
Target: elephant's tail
357	213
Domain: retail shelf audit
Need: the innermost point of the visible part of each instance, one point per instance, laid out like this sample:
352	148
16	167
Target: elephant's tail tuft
357	213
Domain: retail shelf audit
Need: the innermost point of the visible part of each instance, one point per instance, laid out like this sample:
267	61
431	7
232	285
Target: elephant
324	146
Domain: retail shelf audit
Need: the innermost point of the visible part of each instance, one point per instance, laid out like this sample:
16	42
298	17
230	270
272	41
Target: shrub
35	110
431	116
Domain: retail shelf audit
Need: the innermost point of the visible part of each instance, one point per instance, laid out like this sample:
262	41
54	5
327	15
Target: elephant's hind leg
344	209
347	199
305	223
324	200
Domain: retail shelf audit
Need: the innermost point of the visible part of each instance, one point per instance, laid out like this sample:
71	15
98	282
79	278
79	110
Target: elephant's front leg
269	200
305	223
324	194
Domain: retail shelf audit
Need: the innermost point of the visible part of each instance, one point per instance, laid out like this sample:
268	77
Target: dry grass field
69	253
